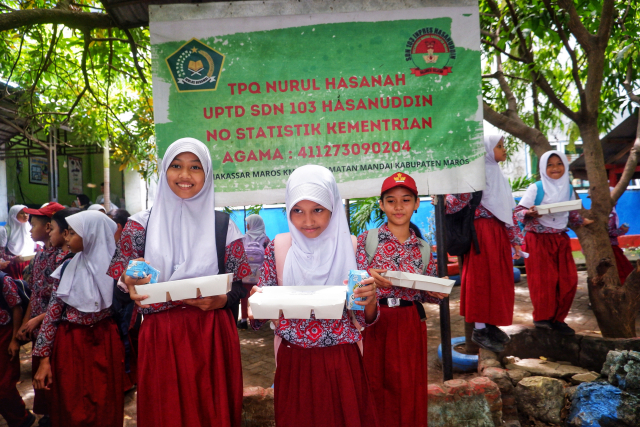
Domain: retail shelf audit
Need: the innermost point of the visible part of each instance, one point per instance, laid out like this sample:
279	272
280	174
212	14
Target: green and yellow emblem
195	67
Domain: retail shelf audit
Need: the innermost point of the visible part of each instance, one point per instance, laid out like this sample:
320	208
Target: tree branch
45	64
109	39
68	18
495	46
629	167
516	127
16	62
134	51
627	84
575	25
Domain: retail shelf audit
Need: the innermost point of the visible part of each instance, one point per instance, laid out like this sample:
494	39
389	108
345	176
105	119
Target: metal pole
107	180
54	166
445	315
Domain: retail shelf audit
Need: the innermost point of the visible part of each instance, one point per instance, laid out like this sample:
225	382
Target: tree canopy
69	65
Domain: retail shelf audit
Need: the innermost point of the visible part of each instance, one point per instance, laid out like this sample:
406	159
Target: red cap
48	210
399	179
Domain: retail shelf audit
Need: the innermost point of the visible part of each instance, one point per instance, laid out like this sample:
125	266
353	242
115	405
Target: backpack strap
476	199
371	245
222	226
539	193
425	253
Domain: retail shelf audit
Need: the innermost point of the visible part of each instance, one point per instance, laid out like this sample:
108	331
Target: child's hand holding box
140	270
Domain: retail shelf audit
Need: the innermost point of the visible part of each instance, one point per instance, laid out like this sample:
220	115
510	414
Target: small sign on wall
75	175
39	170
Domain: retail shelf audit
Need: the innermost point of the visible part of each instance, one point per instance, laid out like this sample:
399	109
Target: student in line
320	376
79	346
12	407
120	217
19	243
41	284
255	242
551	271
487	295
623	264
189	368
395	348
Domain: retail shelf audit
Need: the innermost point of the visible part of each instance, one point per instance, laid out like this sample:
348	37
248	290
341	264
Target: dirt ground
257	347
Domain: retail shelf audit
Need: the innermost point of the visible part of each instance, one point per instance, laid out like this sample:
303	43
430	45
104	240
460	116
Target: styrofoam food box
296	302
177	290
418	281
28	257
572	205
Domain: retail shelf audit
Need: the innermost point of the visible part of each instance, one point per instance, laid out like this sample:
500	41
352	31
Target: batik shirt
58	311
614	231
456	202
41	283
310	333
10	293
131	246
534	226
395	256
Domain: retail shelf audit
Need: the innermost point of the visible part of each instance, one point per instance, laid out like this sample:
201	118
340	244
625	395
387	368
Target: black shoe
498	334
242	324
563	328
483	338
544	324
29	421
45	421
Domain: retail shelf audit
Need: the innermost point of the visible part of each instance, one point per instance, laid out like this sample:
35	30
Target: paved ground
257	347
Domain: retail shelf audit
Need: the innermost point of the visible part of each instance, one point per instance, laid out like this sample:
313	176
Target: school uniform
552	275
12	407
42	285
623	264
80	336
395	348
320	376
189	366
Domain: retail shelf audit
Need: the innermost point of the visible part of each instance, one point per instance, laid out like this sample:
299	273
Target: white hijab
555	191
327	259
256	230
181	235
496	196
19	240
85	284
96	207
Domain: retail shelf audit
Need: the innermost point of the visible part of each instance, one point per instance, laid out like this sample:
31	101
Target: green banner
365	98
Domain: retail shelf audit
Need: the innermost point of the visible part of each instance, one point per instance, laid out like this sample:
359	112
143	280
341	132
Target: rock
476	402
541	398
516	375
484	364
622	369
484	354
257	407
510	360
601	404
501	378
563	362
584	378
547	369
570	391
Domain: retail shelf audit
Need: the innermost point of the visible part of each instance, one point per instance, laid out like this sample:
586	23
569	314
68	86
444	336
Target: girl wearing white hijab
320	378
18	242
86	362
189	370
487	294
551	271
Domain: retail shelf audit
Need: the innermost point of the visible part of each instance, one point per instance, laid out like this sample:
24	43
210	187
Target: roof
615	148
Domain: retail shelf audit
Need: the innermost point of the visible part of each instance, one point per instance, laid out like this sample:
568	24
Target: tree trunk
614	305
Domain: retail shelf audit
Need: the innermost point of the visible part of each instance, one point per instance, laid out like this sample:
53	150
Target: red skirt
87	365
189	369
622	262
15	269
395	358
487	294
322	387
41	397
12	407
552	275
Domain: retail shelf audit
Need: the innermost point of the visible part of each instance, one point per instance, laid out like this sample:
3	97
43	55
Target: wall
36	194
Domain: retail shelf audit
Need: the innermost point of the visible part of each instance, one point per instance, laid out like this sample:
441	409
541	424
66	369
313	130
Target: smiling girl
81	355
551	271
320	377
189	369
